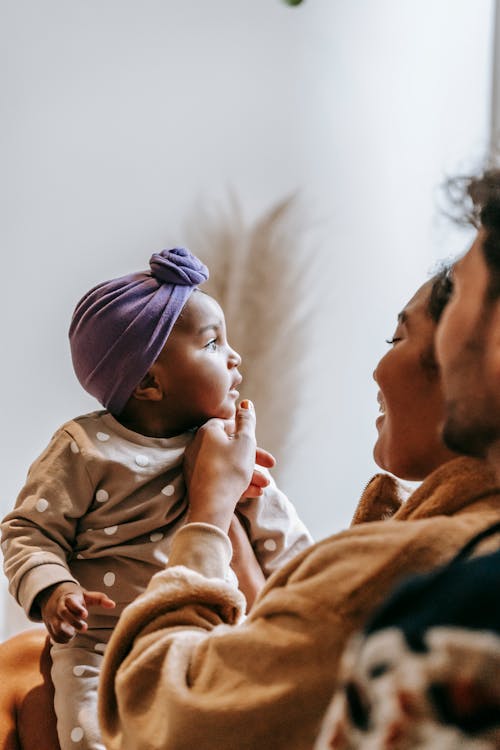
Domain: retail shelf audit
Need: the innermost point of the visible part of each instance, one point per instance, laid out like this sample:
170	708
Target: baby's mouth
236	384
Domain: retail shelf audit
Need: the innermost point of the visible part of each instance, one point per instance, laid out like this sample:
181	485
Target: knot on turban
119	327
178	266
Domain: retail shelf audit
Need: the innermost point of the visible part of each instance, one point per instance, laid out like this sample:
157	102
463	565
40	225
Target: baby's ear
149	389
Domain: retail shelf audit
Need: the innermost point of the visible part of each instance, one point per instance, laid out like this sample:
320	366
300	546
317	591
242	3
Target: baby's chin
226	412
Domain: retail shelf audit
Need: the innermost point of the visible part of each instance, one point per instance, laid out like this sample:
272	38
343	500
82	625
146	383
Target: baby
101	504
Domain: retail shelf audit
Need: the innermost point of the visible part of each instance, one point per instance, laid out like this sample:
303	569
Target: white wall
118	116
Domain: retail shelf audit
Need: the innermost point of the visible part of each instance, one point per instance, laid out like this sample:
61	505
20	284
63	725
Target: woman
179	672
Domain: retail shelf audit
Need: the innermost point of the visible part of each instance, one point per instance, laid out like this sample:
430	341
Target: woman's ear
150	387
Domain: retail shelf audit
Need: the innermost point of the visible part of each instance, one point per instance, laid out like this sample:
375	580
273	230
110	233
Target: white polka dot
160	556
141	460
156	536
101	496
78	670
74	447
110	530
100	648
168	490
42	504
102	436
270	545
109	578
77	734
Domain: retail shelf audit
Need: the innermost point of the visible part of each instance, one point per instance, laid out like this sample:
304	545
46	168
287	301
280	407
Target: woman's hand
219	466
244	563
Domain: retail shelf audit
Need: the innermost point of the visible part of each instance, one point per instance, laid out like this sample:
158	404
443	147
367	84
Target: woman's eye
394	340
211	345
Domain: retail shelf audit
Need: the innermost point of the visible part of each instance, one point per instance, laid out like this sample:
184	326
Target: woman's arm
250	577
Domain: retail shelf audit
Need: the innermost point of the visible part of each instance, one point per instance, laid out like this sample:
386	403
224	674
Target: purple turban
119	328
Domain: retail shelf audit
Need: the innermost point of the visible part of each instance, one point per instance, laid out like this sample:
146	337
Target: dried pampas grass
265	278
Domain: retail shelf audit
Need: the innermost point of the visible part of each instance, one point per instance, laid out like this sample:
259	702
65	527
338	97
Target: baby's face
197	367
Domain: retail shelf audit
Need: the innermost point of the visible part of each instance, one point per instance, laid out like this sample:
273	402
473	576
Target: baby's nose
234	358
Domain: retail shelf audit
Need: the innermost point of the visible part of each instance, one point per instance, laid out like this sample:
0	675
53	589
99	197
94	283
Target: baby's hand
64	609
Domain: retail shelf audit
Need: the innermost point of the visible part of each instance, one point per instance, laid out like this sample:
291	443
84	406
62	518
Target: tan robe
180	673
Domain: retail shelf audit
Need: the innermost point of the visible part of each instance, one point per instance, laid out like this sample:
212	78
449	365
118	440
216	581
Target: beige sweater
182	672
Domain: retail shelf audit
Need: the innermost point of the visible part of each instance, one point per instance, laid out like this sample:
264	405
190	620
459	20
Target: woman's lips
381	402
381	407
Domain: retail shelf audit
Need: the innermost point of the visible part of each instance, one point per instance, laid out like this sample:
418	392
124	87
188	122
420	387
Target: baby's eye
211	345
394	340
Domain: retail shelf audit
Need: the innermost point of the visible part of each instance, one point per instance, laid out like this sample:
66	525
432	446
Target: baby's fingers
72	615
60	631
74	604
98	599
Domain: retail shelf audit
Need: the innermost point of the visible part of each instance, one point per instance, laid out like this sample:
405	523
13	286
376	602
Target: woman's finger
264	458
244	421
259	479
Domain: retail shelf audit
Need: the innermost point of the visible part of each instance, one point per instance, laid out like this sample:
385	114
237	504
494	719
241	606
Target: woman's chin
381	454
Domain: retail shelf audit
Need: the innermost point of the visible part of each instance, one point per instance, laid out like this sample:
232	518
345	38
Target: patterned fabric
425	673
100	506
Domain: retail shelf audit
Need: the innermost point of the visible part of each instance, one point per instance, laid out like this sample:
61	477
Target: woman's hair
440	293
475	200
441	288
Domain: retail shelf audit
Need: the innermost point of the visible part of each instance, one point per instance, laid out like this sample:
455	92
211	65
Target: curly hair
475	200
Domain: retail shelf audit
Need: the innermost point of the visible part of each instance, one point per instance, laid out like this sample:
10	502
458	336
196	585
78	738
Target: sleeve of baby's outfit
275	530
38	535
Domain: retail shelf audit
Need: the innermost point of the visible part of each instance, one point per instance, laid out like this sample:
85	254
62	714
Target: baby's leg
75	674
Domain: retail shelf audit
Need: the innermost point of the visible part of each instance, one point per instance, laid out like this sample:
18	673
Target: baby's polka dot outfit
100	507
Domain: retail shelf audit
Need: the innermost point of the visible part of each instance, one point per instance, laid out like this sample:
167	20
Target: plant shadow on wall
266	277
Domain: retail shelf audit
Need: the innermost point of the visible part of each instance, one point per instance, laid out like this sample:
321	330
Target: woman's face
411	404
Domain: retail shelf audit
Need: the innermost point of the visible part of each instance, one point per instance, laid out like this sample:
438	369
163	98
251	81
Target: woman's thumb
245	418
